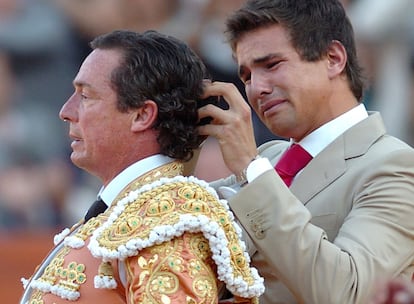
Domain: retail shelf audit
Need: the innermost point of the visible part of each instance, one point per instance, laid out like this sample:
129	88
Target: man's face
98	129
289	95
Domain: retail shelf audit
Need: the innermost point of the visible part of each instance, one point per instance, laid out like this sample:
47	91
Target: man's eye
273	64
245	78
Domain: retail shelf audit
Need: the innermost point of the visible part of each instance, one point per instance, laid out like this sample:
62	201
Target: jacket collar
330	163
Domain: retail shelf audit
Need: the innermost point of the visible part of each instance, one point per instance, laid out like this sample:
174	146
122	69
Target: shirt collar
319	139
110	192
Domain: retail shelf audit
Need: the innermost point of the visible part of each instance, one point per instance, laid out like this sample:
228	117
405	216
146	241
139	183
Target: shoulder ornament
166	209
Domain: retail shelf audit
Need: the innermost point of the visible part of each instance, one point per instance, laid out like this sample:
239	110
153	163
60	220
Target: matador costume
165	239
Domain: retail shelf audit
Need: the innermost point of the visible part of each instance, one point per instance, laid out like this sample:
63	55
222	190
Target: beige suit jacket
346	221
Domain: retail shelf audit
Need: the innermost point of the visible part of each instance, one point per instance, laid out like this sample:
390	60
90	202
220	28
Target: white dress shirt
111	191
316	141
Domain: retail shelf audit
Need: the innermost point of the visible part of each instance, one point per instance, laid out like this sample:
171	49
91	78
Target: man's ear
337	58
145	116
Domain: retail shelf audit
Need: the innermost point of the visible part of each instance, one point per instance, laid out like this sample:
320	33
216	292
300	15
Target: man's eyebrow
266	58
78	83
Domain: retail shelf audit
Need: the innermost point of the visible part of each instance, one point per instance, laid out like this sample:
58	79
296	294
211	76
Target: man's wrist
241	177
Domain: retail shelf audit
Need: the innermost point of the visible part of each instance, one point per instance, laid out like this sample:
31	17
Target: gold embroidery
195	268
151	221
172	256
52	271
36	297
160	276
72	276
105	269
160	204
69	278
165	299
238	255
146	267
166	249
192	191
133	222
157	283
154	214
163	205
164	283
175	262
89	227
195	206
190	300
200	246
127	227
205	288
169	170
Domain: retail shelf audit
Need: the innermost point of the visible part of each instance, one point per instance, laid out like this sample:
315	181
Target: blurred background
42	44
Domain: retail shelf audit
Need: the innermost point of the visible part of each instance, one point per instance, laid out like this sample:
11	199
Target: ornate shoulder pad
166	209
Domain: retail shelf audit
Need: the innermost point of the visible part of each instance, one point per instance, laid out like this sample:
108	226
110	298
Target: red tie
294	159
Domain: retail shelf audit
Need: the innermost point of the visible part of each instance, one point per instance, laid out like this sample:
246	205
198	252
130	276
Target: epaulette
166	209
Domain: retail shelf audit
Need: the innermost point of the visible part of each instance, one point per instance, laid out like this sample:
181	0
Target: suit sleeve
376	239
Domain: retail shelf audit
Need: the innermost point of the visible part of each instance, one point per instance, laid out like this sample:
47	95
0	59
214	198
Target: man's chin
77	160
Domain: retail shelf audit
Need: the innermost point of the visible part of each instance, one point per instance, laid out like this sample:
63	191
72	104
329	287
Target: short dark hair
312	24
163	69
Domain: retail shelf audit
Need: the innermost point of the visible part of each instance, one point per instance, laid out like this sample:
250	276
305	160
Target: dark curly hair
312	25
163	69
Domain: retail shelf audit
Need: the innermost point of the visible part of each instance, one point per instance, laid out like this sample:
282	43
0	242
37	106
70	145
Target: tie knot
96	208
291	162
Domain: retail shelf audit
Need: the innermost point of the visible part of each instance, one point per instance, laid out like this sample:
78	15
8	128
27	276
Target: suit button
255	227
260	234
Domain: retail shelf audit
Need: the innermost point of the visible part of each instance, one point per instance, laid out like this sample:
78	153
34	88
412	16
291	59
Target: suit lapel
325	168
330	163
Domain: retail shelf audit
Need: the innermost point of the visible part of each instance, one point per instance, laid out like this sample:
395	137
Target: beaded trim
229	254
248	284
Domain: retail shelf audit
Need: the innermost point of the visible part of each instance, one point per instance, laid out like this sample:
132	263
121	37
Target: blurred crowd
43	42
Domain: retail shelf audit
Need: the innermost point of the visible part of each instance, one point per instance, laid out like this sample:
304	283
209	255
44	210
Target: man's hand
232	128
